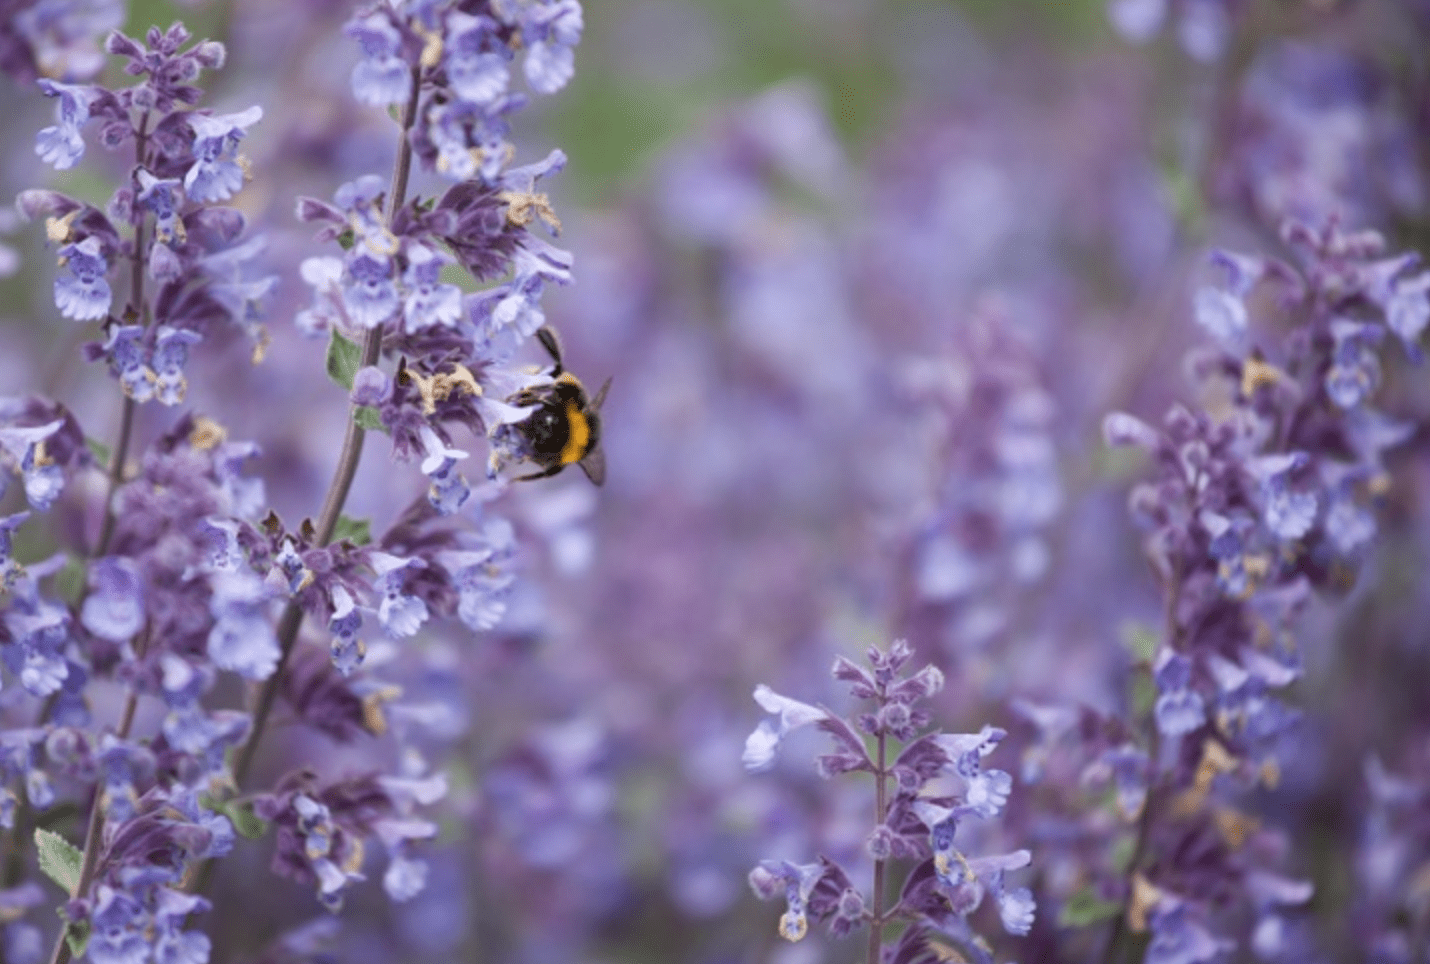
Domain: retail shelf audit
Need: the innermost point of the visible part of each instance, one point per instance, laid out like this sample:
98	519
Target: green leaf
344	357
347	239
1141	641
59	859
356	531
240	813
77	937
69	581
1143	695
99	450
245	821
1084	908
368	417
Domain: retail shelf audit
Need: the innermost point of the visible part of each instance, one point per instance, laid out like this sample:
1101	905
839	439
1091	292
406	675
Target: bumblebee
566	426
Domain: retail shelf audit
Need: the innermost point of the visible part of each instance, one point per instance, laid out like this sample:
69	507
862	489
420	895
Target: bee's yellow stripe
579	436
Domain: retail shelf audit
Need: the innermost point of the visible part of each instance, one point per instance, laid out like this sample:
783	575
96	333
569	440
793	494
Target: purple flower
82	292
381	77
1180	710
1287	513
1355	367
114	607
369	293
217	173
1178	938
399	613
116	929
325	275
429	302
346	620
242	637
476	59
128	361
171	353
551	29
481	575
790	715
448	489
44	478
62	145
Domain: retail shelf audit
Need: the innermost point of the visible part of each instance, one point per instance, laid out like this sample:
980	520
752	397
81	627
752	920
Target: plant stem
876	924
61	953
139	309
292	619
120	455
1120	930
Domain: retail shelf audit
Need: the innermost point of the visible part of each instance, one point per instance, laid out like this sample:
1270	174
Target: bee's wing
594	465
600	397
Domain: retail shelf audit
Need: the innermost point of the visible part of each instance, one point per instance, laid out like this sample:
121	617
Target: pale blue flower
81	291
369	293
242	638
399	613
789	715
114	607
217	173
381	77
62	145
476	59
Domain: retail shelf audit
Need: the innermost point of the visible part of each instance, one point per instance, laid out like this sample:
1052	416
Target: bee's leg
552	343
540	475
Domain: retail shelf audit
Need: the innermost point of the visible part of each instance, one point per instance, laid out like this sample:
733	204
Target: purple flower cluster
1262	495
165	222
55	38
177	585
934	782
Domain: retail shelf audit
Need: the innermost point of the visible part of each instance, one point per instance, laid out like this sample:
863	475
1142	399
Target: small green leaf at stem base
344	358
367	417
101	452
59	859
77	937
1084	908
356	531
70	580
245	822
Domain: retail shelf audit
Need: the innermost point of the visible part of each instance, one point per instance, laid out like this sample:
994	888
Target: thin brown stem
92	834
1120	929
137	309
876	923
292	619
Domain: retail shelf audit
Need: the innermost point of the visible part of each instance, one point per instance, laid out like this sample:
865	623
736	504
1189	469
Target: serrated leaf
344	357
59	859
99	450
1084	908
356	531
367	417
77	937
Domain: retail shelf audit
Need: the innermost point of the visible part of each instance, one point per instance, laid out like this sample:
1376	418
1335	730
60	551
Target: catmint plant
1262	496
180	581
926	785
